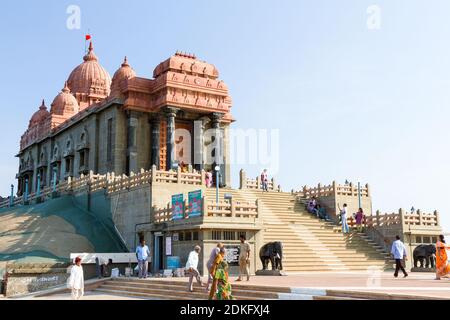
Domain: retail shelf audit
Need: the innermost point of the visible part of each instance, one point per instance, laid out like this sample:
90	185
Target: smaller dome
40	115
65	103
123	73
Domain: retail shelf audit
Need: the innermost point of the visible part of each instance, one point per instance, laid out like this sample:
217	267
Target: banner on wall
177	207
168	246
195	203
232	255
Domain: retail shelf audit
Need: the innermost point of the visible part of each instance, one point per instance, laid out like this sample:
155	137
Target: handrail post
401	213
438	218
153	179
378	218
179	175
204	207
233	208
11	198
203	178
242	179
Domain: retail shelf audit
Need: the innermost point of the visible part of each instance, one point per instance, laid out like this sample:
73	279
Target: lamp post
217	168
25	197
38	190
54	180
359	194
11	198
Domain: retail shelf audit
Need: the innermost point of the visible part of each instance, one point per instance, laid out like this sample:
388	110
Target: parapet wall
334	195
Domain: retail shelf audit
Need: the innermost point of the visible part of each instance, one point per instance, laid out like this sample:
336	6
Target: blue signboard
195	203
177	207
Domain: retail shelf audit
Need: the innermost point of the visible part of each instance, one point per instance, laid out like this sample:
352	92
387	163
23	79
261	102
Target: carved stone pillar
133	122
156	127
218	150
171	113
199	143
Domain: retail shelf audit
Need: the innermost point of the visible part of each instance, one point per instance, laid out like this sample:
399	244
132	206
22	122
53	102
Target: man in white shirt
142	253
76	280
191	268
398	250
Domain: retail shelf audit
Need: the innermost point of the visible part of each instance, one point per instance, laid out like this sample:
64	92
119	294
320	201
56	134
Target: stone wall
130	209
28	278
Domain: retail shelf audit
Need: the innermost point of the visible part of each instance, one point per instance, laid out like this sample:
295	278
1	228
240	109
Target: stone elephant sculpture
425	252
273	252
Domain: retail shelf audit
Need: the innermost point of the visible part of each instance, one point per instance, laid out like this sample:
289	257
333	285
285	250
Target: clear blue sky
349	102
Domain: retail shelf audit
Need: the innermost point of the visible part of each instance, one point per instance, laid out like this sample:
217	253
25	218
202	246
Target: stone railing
256	184
211	209
333	189
417	218
112	183
232	209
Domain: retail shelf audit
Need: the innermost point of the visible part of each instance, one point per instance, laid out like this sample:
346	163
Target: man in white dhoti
76	280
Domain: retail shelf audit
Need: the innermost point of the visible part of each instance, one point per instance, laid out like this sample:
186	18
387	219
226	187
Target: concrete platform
378	285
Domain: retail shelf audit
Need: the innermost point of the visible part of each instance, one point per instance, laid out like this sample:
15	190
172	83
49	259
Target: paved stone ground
417	284
87	296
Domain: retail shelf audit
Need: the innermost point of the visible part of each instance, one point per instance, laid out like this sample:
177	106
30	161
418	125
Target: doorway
158	253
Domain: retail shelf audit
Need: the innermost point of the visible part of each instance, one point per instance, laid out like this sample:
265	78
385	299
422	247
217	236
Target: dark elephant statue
272	252
425	252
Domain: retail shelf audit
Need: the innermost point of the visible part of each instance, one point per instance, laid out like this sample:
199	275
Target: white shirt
344	212
142	252
77	277
192	260
398	250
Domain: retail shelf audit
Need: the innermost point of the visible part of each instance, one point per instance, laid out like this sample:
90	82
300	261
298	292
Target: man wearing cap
191	268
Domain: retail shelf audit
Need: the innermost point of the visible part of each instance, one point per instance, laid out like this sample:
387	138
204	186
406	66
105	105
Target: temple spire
66	88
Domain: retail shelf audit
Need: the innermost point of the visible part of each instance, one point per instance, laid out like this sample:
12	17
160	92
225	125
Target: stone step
238	291
172	292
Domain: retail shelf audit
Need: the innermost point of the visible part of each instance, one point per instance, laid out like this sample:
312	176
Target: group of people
218	285
358	216
399	253
315	208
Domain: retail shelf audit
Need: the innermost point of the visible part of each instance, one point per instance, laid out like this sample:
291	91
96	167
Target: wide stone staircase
176	289
310	244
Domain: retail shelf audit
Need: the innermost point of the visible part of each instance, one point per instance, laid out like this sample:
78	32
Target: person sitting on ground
312	206
322	212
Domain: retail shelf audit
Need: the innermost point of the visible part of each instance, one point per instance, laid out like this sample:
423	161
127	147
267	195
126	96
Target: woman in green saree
221	288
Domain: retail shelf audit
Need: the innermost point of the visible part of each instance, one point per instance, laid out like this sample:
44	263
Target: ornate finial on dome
125	62
66	88
90	56
43	106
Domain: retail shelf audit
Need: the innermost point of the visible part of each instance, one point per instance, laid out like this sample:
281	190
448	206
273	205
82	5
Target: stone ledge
270	273
433	270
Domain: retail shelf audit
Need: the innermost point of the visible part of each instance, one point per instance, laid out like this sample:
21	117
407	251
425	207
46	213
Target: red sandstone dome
89	79
65	104
39	116
125	72
188	64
